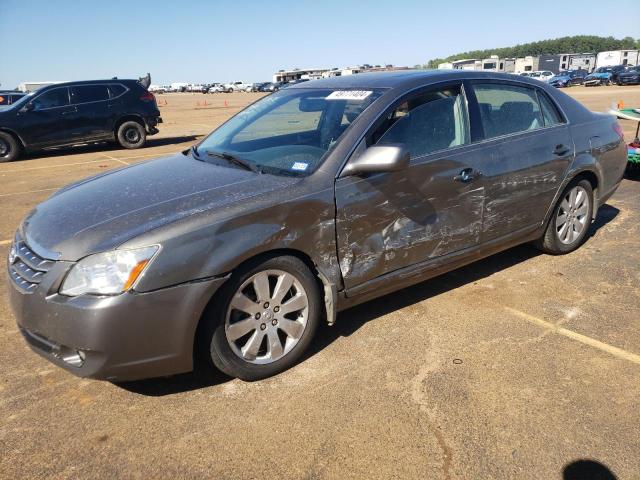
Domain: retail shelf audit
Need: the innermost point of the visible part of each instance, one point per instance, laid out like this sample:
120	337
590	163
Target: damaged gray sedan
312	200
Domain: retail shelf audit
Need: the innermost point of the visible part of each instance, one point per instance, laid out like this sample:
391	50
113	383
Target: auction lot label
349	95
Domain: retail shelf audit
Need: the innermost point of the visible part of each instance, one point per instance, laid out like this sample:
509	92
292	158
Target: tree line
575	44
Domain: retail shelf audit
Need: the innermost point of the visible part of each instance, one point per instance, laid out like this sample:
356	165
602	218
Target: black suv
78	112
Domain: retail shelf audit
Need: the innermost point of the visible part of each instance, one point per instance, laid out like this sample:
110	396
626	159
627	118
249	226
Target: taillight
618	129
148	97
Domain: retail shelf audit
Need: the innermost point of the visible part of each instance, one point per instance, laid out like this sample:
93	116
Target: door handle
561	150
467	175
71	110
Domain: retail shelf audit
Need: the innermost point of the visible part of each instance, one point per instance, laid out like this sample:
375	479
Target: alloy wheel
572	217
266	316
132	135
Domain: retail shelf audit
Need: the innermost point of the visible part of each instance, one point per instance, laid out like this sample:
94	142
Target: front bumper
125	337
594	81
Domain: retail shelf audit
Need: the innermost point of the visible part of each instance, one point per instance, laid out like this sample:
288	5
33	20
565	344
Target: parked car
631	76
157	89
72	113
237	249
270	87
604	76
568	78
237	87
542	75
256	87
7	97
214	88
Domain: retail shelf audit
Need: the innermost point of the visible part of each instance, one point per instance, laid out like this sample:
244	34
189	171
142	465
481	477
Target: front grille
27	268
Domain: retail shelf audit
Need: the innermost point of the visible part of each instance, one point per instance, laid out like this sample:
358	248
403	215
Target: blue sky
207	41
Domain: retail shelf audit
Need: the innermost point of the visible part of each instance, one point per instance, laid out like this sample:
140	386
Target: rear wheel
131	135
264	319
9	148
570	220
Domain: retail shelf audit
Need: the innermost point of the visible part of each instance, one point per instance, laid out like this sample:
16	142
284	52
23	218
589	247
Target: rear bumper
125	337
152	123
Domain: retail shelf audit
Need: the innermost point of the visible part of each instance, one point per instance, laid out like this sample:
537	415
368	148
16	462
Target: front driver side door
51	120
389	221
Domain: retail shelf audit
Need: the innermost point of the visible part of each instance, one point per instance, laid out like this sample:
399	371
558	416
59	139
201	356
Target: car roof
90	82
406	79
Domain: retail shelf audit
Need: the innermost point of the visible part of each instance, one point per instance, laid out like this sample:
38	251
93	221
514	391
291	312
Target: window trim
535	88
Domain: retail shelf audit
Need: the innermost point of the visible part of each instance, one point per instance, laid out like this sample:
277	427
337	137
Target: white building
526	64
617	57
299	74
493	64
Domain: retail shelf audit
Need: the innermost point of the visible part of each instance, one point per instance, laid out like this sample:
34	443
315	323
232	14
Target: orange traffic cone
620	105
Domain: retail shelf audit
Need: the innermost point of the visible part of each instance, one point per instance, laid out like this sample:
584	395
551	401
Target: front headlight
108	273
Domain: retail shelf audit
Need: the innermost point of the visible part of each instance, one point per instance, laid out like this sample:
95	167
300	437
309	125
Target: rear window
88	93
507	109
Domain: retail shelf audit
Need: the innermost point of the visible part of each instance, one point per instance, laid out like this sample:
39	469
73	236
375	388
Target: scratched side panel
389	221
522	178
214	243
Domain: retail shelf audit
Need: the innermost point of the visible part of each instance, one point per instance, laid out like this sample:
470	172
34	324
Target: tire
9	147
558	239
131	135
253	345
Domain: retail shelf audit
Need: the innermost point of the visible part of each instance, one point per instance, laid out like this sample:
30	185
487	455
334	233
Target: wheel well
590	176
128	118
199	349
15	137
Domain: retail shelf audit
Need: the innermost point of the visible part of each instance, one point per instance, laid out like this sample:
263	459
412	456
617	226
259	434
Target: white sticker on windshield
349	95
300	166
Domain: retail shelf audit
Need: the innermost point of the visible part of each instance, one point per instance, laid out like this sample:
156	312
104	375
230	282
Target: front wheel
264	319
9	148
131	135
570	220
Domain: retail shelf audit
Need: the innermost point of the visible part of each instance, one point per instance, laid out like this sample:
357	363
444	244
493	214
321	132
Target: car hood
102	212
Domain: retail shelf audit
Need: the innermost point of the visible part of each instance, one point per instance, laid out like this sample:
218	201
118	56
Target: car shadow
349	321
109	147
587	470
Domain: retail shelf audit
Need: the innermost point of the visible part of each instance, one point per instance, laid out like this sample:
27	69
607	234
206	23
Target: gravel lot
513	367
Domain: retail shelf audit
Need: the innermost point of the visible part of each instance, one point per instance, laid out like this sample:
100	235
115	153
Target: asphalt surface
518	366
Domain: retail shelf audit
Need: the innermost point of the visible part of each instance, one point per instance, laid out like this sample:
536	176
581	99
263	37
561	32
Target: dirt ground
518	366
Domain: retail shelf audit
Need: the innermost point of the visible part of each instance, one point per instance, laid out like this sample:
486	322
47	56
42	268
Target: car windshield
288	132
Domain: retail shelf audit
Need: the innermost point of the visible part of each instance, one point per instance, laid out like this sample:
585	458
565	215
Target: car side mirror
378	159
29	107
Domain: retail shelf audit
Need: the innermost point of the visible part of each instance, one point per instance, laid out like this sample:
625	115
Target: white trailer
33	86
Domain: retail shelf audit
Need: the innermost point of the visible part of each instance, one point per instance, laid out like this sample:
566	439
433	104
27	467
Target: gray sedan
313	199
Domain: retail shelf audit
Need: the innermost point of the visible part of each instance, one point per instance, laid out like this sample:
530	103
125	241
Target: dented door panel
522	179
388	221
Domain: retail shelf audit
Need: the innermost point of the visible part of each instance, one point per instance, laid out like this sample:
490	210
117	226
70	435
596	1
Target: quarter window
115	90
89	93
549	111
507	109
58	97
432	121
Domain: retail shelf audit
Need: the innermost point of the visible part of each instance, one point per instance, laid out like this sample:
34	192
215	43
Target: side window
58	97
115	90
295	116
88	93
549	110
426	123
506	109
